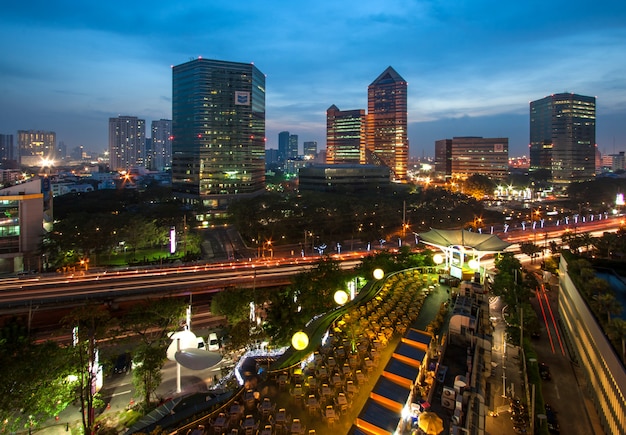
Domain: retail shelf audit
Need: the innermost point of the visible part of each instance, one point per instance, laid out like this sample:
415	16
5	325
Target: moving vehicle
544	372
553	423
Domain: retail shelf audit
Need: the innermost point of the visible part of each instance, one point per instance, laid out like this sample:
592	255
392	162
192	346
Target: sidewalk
506	376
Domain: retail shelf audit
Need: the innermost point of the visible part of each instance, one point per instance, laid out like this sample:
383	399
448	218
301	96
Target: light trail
556	327
545	319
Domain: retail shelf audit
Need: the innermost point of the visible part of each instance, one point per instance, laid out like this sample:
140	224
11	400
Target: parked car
214	342
544	372
553	423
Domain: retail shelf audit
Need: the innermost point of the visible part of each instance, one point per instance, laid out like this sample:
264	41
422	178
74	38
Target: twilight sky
472	66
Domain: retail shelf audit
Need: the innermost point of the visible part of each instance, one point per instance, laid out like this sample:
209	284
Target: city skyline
471	69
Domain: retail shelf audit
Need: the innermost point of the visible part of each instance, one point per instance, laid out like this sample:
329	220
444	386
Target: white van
214	342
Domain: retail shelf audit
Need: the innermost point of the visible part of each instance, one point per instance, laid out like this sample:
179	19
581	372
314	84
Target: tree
514	286
617	331
607	303
530	249
479	186
28	394
152	321
90	323
233	303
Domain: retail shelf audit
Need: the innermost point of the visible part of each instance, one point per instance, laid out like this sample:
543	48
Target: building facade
345	136
35	146
283	145
461	157
601	366
24	206
386	134
563	137
161	144
344	177
309	150
292	152
127	142
218	127
6	148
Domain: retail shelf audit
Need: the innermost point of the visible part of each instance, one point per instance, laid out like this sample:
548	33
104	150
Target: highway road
20	293
47	293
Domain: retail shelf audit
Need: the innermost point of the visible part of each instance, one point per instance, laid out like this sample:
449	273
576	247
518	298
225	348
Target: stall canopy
486	243
418	338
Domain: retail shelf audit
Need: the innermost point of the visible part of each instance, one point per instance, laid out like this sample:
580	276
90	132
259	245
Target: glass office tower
387	140
563	137
218	128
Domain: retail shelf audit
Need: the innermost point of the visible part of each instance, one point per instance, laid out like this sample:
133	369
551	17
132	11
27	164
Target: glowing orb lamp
379	274
300	340
341	297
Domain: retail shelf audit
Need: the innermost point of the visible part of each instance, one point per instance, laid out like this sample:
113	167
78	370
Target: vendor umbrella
430	423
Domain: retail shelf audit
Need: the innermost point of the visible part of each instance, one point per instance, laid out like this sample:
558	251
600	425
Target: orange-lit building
386	140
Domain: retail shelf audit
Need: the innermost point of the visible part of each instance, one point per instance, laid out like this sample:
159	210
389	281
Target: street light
341	297
378	273
438	259
300	340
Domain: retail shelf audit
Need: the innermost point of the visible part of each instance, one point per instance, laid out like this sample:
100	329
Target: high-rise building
161	144
6	148
293	146
61	153
35	146
78	153
345	136
309	149
218	127
283	145
563	137
127	142
465	156
386	134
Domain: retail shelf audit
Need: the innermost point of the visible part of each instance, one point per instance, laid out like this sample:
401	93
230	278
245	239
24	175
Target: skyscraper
293	146
345	136
309	149
161	144
36	145
386	135
6	148
218	127
563	137
283	145
127	142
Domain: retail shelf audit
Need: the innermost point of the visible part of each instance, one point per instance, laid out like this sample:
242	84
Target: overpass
56	293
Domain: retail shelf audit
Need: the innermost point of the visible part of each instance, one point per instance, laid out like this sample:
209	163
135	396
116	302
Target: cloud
470	65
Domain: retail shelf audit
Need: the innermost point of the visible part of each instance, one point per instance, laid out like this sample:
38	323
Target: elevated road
20	294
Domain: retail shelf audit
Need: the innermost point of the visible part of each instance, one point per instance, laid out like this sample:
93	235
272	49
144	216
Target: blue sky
472	66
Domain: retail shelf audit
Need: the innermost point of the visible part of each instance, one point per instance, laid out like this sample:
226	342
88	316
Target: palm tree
606	302
617	332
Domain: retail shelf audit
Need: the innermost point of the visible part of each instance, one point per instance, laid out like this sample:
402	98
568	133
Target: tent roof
392	391
402	369
410	352
376	414
477	241
418	336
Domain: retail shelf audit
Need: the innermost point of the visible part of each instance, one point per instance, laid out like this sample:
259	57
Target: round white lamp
341	297
378	274
300	340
